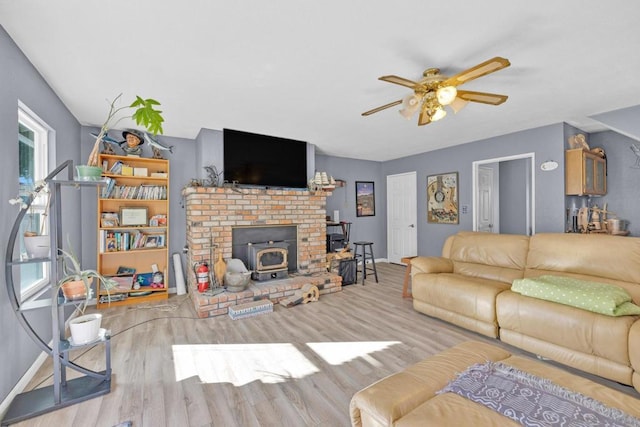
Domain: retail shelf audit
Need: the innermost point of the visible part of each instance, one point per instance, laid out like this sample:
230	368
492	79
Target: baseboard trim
30	374
22	383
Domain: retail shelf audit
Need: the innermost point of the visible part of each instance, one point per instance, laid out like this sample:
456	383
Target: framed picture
133	216
442	198
365	198
151	241
109	219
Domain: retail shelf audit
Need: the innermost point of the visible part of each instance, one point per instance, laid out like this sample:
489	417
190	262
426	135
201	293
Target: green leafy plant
72	271
144	114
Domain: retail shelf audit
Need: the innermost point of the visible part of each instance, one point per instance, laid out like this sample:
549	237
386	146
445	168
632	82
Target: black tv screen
261	160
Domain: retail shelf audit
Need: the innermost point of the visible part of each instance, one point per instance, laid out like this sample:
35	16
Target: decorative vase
85	329
219	268
37	246
88	173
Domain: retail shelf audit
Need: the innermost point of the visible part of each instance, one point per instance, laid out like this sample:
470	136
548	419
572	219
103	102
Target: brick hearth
212	213
275	290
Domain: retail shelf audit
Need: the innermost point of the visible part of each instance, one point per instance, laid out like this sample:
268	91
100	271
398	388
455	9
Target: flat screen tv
265	161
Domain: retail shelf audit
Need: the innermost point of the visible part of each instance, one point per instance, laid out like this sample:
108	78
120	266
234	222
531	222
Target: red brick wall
213	212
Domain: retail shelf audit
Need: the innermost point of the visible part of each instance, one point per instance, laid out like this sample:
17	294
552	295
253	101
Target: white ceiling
307	70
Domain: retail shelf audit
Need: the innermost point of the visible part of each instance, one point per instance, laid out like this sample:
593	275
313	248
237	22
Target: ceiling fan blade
399	81
483	97
384	107
487	67
424	118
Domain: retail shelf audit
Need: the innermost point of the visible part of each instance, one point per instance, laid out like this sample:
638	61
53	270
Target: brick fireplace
212	215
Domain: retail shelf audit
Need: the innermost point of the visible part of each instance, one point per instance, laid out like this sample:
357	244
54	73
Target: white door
402	230
486	212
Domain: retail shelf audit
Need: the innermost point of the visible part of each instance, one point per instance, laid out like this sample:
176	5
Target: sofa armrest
423	264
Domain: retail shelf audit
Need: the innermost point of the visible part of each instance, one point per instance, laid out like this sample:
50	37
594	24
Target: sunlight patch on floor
336	353
241	364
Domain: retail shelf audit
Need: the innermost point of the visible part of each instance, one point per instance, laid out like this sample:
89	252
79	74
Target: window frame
42	143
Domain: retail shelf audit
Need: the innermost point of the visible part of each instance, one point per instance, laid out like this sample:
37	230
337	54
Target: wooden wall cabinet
133	226
585	173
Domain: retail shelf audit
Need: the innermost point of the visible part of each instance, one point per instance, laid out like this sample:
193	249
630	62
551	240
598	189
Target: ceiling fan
434	91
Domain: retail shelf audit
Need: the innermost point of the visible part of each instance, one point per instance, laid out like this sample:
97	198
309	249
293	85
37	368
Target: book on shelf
116	167
135	192
108	189
118	241
140	172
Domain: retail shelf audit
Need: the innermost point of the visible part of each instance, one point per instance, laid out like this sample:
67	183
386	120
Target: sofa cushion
469	296
595	257
433	265
499	257
589	341
600	298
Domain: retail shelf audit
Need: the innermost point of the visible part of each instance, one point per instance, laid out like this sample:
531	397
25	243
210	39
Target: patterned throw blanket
534	401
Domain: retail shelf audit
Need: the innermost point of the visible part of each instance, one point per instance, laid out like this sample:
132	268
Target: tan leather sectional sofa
469	285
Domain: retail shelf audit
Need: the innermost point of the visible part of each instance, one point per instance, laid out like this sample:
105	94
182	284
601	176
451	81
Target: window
33	155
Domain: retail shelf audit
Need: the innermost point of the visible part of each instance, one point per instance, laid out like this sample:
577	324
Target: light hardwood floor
297	366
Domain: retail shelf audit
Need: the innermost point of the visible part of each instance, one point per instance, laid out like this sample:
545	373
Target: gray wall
209	151
513	201
20	81
624	121
623	177
343	199
546	142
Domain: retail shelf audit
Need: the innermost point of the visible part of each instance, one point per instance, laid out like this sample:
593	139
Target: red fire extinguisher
202	275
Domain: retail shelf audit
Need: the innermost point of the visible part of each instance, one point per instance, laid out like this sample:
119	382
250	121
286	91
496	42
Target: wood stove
268	261
270	252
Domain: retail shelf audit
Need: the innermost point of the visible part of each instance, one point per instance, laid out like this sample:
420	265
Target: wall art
442	198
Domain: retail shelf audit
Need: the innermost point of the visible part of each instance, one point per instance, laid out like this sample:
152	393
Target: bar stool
366	252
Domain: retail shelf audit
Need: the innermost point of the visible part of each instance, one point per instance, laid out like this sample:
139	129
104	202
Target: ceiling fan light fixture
411	104
434	92
438	114
407	113
446	94
411	101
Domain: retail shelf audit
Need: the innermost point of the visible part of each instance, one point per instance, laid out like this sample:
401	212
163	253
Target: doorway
402	231
503	194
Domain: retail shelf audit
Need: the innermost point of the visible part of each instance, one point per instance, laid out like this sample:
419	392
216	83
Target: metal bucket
616	225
